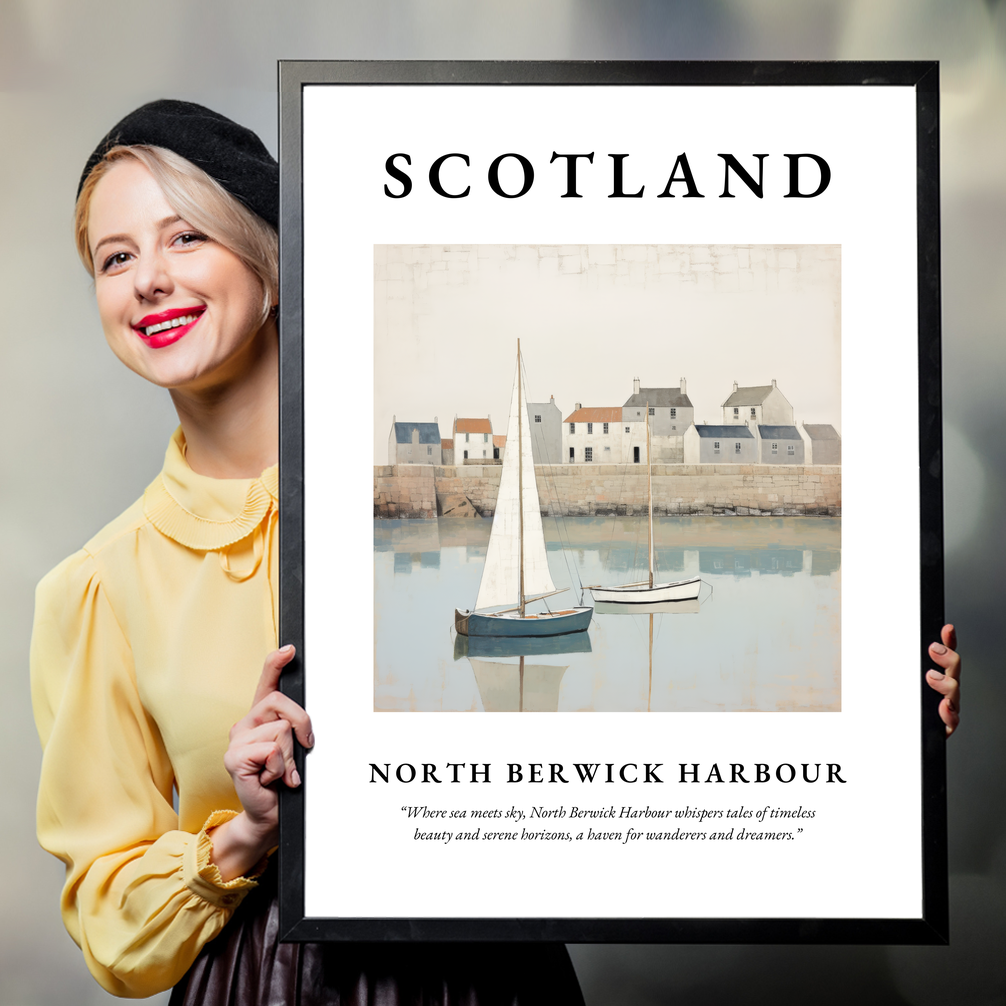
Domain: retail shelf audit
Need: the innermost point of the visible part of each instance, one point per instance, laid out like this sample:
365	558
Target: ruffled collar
203	513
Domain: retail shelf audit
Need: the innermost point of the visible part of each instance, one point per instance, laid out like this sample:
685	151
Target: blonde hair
199	200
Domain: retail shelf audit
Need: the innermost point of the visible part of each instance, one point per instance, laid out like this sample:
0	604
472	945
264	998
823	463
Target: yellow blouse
147	647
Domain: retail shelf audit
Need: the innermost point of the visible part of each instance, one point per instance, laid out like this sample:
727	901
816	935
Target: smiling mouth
167	324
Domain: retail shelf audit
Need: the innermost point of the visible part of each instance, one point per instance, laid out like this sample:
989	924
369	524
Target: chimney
735	385
635	385
773	382
552	399
576	407
682	387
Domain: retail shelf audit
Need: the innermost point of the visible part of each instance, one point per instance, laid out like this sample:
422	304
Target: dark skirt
246	965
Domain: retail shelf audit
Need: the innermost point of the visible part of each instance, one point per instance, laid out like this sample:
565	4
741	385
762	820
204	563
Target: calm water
765	636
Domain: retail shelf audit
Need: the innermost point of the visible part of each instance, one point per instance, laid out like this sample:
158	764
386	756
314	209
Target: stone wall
406	491
426	491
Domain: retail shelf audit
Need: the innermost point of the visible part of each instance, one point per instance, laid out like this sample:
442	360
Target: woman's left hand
948	681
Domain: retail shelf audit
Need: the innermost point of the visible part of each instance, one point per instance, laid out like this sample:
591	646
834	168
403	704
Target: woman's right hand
260	753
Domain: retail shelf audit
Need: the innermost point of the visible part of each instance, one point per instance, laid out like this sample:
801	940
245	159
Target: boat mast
520	486
649	492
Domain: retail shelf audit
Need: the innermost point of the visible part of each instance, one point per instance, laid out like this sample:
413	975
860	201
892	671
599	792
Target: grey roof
429	433
660	398
779	433
726	432
821	431
749	396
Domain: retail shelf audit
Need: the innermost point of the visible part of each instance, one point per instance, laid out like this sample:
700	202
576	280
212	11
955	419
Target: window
673	427
754	413
652	411
483	454
716	447
485	440
674	413
626	429
737	413
466	441
572	427
608	449
537	419
571	455
606	432
775	448
639	413
791	449
737	447
635	455
588	454
466	455
590	427
429	452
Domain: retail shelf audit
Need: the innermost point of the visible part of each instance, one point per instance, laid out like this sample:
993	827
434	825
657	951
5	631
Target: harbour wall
428	491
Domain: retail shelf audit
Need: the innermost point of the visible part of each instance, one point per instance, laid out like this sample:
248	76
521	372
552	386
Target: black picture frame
932	926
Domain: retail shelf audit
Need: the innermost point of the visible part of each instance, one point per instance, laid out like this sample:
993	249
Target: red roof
473	426
446	445
499	440
599	415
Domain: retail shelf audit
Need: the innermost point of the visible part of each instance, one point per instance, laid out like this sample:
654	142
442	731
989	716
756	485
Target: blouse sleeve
141	898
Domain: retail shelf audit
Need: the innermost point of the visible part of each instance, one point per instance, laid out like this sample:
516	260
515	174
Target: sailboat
516	572
646	591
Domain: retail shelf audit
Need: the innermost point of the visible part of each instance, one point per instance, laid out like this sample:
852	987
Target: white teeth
173	323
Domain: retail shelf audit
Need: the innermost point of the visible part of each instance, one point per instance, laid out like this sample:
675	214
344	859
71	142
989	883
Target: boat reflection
688	606
517	688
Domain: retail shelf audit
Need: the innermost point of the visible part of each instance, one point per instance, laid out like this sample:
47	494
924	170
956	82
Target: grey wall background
82	436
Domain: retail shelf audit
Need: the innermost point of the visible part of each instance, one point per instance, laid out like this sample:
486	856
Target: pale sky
591	318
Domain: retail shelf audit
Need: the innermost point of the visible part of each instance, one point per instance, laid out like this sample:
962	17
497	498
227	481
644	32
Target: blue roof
726	432
779	433
429	433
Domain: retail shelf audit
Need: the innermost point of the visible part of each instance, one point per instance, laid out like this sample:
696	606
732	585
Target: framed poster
612	528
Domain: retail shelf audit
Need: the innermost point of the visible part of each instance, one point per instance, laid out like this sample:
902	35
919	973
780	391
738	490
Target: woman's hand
947	682
260	753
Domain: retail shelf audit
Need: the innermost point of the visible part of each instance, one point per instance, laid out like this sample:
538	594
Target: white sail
501	575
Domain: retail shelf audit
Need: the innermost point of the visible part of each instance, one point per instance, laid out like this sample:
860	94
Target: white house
473	440
594	435
764	404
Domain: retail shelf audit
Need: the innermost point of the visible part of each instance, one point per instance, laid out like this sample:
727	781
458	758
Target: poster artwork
655	579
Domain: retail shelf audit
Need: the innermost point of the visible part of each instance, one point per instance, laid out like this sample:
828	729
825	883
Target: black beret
230	154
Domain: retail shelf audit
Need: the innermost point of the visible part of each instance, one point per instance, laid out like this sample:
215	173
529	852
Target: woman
148	643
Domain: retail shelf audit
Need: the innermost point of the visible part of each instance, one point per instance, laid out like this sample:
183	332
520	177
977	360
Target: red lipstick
165	324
